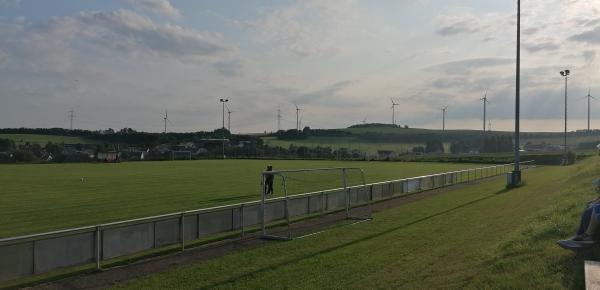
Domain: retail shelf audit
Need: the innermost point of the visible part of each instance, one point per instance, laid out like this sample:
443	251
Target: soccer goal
289	196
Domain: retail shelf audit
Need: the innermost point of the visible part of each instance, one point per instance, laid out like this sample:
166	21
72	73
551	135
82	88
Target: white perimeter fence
41	253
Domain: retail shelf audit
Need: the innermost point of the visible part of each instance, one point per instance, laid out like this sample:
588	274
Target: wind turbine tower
297	118
166	119
485	102
444	118
278	118
589	97
71	117
394	104
229	118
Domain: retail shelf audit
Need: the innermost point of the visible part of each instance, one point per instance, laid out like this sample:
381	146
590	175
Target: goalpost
322	191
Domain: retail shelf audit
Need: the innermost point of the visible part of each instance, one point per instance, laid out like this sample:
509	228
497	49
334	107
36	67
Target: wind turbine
444	118
485	102
166	119
229	118
589	97
297	116
364	121
394	104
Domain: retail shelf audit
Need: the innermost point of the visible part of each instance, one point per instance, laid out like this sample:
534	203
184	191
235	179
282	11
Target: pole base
513	179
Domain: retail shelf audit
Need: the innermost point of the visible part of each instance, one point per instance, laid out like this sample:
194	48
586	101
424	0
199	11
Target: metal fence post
33	258
98	248
347	191
262	206
242	221
182	220
323	202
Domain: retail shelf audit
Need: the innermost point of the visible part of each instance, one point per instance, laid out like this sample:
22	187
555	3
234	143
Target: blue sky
123	63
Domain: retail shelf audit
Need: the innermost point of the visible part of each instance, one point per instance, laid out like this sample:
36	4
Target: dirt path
108	277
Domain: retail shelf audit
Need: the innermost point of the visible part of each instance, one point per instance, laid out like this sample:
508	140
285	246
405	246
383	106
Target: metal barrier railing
40	253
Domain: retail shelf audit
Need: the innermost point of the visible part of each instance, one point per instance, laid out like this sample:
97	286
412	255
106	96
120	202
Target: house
386	154
110	157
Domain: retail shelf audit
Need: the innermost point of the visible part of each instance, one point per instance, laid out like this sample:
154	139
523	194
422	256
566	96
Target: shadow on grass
341	246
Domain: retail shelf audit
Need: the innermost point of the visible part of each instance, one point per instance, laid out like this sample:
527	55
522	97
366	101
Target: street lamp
565	73
223	101
514	177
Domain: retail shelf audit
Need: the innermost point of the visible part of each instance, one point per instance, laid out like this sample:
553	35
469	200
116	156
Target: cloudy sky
122	63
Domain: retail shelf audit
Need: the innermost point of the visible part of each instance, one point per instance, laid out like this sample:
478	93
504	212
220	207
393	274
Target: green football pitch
43	197
477	237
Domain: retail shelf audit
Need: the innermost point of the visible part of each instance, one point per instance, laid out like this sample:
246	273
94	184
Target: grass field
42	197
44	139
478	237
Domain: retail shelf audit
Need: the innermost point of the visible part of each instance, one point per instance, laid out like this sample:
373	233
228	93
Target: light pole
223	101
515	175
565	73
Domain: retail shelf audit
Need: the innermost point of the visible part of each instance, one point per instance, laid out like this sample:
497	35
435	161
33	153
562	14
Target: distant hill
20	139
373	137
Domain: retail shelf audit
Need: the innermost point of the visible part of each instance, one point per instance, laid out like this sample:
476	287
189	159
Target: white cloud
54	44
159	7
311	28
10	3
463	21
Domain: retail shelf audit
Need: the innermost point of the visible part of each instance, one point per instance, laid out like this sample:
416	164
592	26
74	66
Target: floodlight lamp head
567	72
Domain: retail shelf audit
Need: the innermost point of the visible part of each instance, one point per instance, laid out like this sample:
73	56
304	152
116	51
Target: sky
122	63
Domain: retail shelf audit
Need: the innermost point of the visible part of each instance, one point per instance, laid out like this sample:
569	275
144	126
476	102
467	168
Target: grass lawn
43	197
478	237
44	139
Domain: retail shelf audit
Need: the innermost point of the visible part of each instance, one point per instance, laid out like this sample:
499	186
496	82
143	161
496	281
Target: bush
23	156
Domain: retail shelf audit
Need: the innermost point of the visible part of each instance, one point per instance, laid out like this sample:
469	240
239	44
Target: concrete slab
592	275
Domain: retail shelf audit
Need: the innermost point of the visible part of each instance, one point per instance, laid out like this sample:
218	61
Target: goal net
295	203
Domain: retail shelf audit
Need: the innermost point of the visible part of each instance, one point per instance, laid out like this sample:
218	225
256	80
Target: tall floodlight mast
223	101
394	104
565	73
515	176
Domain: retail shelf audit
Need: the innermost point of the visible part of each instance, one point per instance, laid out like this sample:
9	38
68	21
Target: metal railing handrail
51	234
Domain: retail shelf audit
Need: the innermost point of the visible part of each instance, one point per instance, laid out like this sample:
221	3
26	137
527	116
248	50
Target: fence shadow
344	245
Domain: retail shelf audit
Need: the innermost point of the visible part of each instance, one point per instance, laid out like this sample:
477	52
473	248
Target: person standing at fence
269	178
